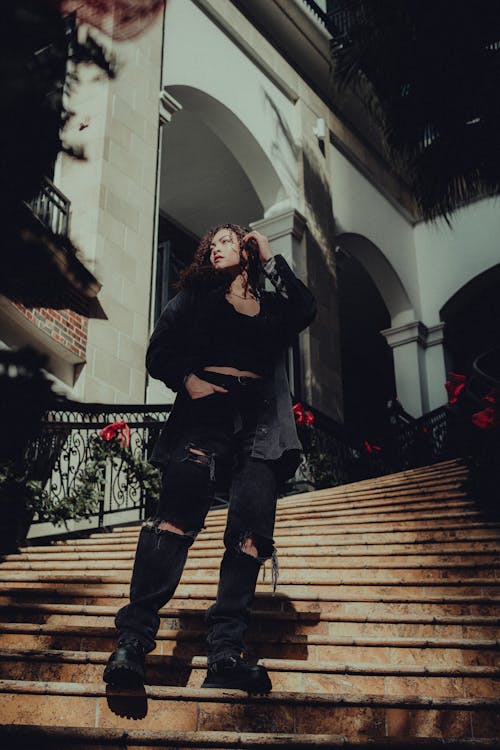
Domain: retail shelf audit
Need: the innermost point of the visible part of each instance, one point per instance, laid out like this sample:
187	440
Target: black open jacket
173	353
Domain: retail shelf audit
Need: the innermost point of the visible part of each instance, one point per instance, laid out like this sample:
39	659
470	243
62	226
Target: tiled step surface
191	709
383	631
60	738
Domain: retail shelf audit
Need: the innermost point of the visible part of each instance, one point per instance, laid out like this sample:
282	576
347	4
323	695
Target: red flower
119	431
489	417
454	386
302	417
372	448
298	411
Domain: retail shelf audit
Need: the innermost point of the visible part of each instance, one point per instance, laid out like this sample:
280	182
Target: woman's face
225	250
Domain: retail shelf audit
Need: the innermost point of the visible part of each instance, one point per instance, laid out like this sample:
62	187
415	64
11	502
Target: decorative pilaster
418	365
168	107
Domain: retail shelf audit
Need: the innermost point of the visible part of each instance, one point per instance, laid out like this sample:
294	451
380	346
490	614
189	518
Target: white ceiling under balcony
201	183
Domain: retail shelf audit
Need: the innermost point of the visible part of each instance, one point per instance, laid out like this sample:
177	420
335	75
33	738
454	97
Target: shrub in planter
319	466
22	498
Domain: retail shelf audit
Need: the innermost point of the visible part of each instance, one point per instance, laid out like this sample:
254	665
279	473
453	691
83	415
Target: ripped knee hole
249	547
201	457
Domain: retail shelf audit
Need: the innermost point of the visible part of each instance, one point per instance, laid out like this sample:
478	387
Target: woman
220	343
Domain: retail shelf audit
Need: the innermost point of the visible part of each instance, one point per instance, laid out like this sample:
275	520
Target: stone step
478	546
329	542
297	583
22	610
267	622
310	647
361	717
288	577
314	515
434	524
359	602
399	490
256	636
429	566
360	511
60	738
290	675
424	478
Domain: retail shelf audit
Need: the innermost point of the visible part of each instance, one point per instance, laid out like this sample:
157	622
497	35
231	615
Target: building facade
222	111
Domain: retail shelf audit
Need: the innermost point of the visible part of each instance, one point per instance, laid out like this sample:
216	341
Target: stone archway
379	334
385	278
472	320
367	364
213	168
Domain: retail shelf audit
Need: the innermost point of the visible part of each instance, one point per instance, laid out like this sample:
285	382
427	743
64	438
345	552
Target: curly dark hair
201	276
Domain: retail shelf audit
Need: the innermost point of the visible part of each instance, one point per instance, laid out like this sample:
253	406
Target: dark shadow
127	703
274	633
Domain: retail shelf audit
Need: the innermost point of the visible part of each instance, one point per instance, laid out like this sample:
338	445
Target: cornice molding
168	107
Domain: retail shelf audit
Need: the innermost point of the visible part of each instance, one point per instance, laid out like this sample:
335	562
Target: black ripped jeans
215	446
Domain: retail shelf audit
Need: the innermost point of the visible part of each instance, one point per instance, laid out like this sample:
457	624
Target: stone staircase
381	633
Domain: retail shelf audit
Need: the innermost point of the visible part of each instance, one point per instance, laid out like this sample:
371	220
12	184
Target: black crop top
232	339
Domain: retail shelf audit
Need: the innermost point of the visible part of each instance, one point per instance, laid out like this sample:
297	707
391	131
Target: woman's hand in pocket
198	388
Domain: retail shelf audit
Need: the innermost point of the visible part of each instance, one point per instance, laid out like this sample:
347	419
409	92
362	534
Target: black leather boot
233	673
125	667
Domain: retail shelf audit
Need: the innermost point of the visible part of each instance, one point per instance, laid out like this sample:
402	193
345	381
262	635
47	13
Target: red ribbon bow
119	431
302	417
489	417
454	386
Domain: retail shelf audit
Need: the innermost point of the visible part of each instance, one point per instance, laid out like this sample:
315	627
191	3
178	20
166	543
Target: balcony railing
52	208
320	14
63	447
333	457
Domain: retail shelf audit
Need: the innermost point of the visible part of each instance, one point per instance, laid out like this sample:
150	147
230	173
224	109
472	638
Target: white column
407	343
286	233
419	365
157	392
435	366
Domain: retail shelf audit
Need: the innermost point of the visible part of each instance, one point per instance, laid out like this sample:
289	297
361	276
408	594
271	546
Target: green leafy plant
88	488
320	466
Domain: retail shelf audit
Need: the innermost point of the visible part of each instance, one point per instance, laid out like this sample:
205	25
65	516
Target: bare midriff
231	371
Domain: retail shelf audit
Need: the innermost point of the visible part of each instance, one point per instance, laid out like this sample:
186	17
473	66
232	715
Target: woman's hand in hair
260	242
198	388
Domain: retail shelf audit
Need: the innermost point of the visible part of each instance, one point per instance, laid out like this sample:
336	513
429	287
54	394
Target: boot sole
257	689
122	675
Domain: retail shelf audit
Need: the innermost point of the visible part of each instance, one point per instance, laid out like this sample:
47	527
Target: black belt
225	380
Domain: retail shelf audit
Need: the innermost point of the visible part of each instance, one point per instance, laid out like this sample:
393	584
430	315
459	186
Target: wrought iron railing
317	11
333	457
338	21
52	207
63	447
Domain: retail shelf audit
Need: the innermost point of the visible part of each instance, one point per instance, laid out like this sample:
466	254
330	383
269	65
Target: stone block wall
112	197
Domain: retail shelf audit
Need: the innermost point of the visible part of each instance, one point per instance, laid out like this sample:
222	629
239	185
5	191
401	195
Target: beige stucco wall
239	69
112	197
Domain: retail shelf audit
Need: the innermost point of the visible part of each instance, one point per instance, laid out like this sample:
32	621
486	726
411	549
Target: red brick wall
66	327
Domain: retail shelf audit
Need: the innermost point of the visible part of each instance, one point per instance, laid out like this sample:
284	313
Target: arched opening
212	171
372	298
366	358
472	318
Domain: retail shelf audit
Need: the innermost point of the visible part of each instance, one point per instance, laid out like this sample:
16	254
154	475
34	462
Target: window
175	251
